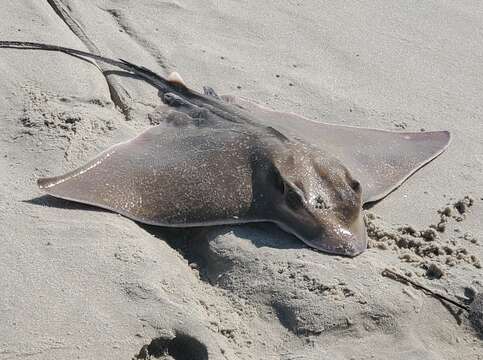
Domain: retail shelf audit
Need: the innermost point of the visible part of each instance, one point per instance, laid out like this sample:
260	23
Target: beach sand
79	282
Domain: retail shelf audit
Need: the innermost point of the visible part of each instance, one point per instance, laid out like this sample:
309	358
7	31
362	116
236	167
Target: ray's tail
150	76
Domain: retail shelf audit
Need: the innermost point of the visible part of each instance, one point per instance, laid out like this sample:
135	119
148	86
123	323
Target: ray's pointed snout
343	240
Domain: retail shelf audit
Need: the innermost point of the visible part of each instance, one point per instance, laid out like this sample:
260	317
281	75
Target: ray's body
222	160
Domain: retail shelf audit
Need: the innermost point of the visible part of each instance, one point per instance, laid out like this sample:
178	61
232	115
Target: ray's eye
277	180
280	184
355	185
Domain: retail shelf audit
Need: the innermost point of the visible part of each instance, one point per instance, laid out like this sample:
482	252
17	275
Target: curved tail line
150	76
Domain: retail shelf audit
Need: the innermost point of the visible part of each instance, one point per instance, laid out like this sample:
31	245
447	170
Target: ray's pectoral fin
383	160
127	178
380	160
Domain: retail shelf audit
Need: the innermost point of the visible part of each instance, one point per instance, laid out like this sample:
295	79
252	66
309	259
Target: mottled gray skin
219	160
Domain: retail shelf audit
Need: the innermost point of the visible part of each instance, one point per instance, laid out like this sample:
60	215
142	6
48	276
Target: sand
77	282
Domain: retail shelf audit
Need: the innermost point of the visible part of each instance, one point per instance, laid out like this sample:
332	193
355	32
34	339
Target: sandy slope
82	283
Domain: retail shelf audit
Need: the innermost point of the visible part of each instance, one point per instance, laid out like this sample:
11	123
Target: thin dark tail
214	104
150	76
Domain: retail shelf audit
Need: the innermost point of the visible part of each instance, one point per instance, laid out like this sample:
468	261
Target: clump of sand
430	248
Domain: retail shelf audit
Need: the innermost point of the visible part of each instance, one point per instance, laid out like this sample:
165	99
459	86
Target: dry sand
77	282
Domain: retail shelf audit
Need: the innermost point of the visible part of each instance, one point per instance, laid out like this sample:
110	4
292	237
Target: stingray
216	160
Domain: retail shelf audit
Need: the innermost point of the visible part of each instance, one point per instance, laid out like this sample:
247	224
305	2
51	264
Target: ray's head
320	201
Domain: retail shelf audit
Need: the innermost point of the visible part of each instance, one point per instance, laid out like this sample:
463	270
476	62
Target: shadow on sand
260	234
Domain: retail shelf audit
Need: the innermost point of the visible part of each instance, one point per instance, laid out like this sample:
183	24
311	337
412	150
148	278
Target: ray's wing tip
439	138
443	137
447	136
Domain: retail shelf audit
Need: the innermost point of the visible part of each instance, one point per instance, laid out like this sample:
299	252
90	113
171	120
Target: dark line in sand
401	278
145	44
117	93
